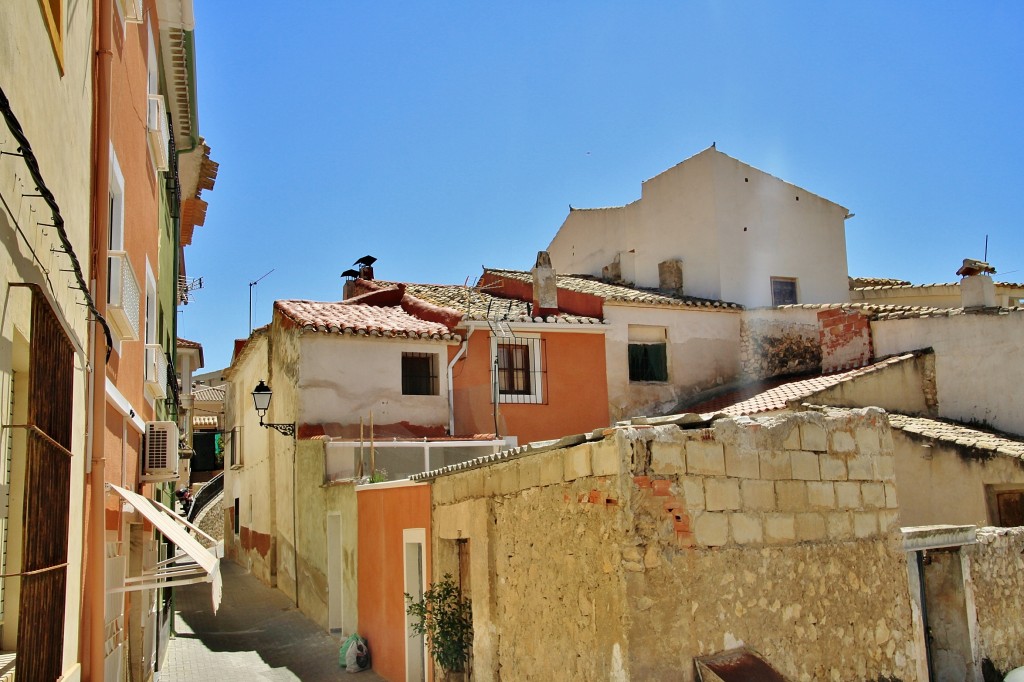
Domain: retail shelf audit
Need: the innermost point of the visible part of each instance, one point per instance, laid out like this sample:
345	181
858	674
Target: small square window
783	291
648	362
419	374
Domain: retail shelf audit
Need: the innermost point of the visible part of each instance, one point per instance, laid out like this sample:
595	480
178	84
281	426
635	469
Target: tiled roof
209	393
871	284
879	311
185	343
984	443
860	282
479	305
585	284
765	397
360	319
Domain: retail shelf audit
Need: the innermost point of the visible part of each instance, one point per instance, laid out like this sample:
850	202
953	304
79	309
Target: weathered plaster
972	356
725	221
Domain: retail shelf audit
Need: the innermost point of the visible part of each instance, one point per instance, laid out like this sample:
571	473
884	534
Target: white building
715	228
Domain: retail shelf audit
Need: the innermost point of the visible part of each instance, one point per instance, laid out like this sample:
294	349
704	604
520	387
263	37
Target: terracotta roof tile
185	343
861	282
878	284
209	393
586	284
779	397
361	320
480	305
877	311
983	442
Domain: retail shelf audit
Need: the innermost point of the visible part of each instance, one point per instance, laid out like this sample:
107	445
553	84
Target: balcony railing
159	134
123	297
156	370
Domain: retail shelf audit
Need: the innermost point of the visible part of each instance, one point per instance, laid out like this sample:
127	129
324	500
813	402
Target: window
518	369
419	374
783	290
648	353
236	519
1005	504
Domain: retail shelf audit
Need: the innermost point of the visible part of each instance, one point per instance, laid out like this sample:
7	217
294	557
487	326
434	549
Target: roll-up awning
192	562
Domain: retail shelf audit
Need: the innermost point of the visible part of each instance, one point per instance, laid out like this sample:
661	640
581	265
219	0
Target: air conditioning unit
160	452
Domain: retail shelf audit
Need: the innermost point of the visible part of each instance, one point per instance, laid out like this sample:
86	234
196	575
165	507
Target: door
415	586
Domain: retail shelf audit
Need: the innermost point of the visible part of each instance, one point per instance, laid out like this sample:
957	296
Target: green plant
379	475
446	619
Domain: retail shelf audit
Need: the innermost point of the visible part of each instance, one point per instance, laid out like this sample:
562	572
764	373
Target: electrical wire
58	221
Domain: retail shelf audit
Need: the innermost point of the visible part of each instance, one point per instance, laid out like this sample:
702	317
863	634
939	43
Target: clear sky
442	136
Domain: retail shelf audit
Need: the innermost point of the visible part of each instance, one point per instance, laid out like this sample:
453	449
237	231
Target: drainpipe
95	584
451	394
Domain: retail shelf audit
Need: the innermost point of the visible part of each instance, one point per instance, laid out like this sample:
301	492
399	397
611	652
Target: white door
415	586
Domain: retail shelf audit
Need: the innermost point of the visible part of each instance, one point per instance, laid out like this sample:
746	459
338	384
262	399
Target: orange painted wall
128	136
577	390
383	515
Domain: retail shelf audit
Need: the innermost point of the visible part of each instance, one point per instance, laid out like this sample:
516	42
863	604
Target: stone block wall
632	554
997	575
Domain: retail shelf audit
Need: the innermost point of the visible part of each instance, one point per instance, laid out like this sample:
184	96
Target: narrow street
258	634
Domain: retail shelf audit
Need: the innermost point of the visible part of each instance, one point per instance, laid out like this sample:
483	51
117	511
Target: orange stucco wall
128	137
383	515
577	390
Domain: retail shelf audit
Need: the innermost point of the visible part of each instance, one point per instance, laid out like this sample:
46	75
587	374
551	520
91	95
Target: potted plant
445	618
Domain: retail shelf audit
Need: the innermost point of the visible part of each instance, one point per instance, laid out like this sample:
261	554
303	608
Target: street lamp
261	396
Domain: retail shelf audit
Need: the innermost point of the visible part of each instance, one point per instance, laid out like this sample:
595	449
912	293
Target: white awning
193	563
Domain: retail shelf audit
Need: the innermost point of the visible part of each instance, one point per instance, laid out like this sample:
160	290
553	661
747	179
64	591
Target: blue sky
443	136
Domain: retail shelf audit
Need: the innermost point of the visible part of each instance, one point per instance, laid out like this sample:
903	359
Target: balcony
156	370
123	297
159	134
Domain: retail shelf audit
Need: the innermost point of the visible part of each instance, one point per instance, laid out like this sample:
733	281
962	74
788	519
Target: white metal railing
156	370
123	297
159	135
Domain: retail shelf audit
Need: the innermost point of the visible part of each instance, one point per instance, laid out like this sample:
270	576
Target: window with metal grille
519	370
783	290
419	374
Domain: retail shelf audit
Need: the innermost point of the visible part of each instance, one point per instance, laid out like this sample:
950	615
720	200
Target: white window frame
533	342
115	226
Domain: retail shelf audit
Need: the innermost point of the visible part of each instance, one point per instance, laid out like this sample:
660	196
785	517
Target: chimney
977	290
545	288
366	272
670	276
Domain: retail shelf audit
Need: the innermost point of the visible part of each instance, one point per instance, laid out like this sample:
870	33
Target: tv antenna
251	285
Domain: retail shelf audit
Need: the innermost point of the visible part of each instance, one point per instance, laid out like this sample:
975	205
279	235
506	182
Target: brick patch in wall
845	339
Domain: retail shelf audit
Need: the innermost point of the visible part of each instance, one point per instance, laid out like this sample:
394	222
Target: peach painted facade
576	388
394	554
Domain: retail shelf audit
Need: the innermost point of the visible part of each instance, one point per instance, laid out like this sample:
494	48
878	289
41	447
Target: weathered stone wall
778	342
631	555
997	574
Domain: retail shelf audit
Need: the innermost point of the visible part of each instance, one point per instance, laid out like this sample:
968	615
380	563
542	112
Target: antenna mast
251	285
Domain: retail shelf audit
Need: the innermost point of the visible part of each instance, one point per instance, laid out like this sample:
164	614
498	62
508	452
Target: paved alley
258	634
